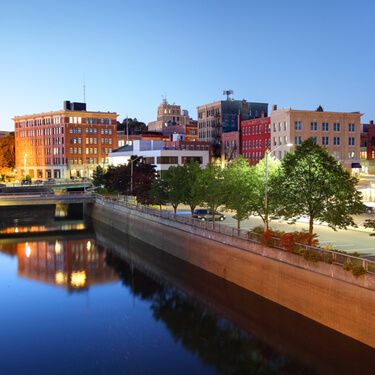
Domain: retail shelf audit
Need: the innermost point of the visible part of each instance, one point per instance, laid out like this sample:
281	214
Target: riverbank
322	292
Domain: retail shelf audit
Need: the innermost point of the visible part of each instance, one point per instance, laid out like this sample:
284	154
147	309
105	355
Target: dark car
50	181
205	214
38	182
25	182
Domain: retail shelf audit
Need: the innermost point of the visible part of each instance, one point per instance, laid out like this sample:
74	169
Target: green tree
239	188
159	192
370	223
190	189
174	180
98	176
134	126
314	184
261	206
210	186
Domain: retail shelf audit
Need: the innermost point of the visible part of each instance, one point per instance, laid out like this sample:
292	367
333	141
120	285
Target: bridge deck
7	200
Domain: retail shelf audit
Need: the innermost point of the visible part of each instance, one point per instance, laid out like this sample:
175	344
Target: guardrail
44	195
310	252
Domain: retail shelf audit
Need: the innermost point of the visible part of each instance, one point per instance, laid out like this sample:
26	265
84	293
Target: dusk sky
298	54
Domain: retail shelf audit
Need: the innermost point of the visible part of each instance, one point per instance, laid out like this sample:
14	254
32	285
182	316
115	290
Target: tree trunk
311	229
175	209
192	208
213	218
238	225
265	224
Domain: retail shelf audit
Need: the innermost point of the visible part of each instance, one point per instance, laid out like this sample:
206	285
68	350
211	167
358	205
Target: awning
356	165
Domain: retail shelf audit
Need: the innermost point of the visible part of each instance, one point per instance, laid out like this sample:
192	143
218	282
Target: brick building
255	138
368	147
339	132
65	143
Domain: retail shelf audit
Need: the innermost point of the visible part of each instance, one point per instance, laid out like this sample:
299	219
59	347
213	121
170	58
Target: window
298	140
336	141
167	160
298	125
336	126
189	159
325	141
351	141
352	127
314	126
325	127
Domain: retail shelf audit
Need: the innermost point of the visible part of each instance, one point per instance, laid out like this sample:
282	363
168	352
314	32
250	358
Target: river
81	298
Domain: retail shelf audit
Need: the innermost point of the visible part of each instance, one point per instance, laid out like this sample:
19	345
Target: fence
309	252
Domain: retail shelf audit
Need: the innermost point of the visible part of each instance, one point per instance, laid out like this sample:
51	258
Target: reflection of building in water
73	264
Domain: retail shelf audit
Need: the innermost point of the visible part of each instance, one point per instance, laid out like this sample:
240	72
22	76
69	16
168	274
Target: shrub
311	255
288	241
305	238
327	258
358	270
348	265
267	237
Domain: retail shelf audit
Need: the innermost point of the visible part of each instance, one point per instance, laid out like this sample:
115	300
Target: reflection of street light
266	184
131	173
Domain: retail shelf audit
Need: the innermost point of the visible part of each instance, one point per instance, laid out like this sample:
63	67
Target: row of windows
256	143
74	141
80	161
258	129
325	126
78	130
89	150
39	121
325	140
90	120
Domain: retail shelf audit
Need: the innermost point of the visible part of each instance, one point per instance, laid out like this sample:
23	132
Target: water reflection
216	341
72	264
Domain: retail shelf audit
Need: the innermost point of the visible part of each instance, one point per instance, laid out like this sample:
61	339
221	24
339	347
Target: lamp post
266	184
131	173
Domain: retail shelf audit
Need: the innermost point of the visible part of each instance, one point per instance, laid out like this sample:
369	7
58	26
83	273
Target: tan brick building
339	132
65	143
169	114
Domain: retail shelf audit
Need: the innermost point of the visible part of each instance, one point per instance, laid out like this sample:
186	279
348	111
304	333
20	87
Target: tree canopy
134	126
315	185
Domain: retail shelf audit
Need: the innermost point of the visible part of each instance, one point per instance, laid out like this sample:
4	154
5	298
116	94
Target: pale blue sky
294	53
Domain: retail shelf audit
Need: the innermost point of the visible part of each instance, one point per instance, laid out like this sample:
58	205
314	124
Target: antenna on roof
228	93
165	101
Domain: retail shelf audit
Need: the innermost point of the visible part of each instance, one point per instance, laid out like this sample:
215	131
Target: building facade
167	115
65	143
159	154
368	148
339	132
230	145
220	117
255	138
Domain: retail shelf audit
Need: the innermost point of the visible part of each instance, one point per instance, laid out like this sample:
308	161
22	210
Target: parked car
50	181
38	182
26	182
205	214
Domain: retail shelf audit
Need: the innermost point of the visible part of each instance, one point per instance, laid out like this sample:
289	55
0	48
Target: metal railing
311	253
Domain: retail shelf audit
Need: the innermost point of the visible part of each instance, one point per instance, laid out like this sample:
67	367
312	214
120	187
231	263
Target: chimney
372	122
274	107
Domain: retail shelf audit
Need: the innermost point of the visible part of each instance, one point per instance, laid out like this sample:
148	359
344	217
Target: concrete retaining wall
316	290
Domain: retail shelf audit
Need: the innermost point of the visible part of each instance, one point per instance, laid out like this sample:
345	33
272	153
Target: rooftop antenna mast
228	93
165	101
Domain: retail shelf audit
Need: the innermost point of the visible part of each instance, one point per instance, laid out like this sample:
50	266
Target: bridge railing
309	252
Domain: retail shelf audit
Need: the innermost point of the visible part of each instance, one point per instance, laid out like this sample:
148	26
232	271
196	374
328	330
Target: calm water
94	301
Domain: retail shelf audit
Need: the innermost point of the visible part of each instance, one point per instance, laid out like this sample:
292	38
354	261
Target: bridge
31	199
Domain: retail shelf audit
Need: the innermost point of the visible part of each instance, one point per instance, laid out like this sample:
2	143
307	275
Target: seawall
322	292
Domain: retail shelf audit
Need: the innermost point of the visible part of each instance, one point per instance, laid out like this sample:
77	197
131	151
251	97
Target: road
350	240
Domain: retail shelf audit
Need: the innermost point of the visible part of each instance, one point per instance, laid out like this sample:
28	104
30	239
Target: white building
156	153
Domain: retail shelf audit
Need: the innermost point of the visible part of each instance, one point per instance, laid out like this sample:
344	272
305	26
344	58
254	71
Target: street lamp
266	184
131	173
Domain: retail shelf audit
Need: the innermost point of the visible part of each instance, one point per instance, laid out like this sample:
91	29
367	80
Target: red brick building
255	138
64	143
367	154
230	145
